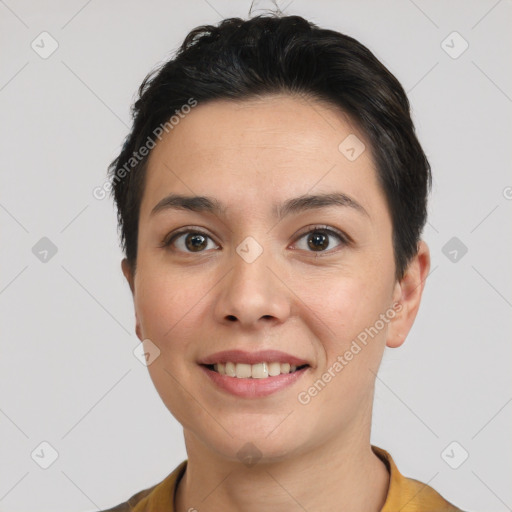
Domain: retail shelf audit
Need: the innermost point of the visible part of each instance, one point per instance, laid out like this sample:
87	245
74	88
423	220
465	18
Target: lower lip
254	388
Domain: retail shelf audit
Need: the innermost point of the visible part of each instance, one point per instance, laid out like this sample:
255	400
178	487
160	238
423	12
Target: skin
312	304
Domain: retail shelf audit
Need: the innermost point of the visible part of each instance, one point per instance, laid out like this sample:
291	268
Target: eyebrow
204	204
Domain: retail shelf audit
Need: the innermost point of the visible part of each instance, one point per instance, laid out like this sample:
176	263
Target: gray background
67	371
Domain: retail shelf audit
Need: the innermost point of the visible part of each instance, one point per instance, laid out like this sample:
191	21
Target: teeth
274	369
259	371
254	371
243	371
230	369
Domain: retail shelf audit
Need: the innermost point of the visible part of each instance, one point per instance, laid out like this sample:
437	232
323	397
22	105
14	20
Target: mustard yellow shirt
404	494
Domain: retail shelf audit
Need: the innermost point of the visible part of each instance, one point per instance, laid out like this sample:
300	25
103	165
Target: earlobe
137	328
128	274
408	293
127	271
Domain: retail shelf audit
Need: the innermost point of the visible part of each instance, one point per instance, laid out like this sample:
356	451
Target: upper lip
241	356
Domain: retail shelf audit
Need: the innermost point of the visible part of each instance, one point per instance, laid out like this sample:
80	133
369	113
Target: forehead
267	121
263	149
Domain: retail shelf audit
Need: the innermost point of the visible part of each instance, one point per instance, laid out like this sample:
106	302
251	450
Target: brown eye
319	240
189	241
195	242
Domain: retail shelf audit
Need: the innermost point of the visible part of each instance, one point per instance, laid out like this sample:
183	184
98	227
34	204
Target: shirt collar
404	494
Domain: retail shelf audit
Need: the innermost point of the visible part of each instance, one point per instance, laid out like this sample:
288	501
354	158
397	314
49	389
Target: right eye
188	241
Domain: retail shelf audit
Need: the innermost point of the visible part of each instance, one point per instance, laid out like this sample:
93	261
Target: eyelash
344	239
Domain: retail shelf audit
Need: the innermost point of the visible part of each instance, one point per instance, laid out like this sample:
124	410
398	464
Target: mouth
253	374
252	381
263	370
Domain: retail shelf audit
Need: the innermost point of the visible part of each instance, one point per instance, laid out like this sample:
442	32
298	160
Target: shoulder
410	495
155	498
417	496
128	506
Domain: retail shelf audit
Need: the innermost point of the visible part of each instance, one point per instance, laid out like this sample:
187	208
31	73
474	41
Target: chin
250	443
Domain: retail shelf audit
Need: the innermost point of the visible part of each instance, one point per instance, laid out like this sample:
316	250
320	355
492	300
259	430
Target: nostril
231	317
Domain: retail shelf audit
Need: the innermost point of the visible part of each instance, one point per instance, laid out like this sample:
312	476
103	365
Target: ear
127	271
128	274
407	293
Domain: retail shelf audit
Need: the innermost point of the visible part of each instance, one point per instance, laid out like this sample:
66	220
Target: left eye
318	239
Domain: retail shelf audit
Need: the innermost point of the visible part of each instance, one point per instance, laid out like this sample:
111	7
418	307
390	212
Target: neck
341	472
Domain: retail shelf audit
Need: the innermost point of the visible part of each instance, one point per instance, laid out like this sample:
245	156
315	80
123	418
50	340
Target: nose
253	294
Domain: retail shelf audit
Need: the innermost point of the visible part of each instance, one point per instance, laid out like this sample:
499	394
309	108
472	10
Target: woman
271	197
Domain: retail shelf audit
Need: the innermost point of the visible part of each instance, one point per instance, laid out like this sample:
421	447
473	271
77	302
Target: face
253	275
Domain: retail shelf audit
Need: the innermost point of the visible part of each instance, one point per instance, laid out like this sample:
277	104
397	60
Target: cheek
345	308
165	301
347	303
167	308
352	343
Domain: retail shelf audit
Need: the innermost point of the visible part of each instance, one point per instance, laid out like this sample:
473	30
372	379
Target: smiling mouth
262	370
